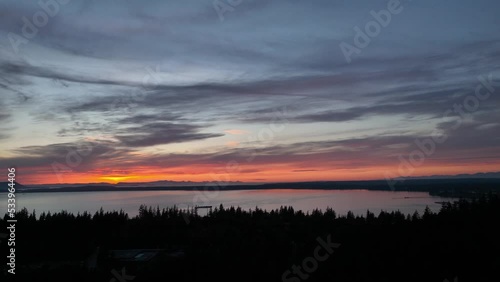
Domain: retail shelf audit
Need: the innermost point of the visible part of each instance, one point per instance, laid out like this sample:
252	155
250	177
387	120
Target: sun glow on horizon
116	179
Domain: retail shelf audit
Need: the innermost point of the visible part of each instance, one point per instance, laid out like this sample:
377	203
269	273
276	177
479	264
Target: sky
248	90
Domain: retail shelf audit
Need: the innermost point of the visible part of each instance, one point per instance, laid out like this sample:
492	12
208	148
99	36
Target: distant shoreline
435	187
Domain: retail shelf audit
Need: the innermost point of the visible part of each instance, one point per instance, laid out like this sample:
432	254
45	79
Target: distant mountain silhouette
4	186
172	183
167	183
160	183
460	176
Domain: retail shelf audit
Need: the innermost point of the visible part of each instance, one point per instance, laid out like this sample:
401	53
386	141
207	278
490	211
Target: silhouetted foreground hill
281	245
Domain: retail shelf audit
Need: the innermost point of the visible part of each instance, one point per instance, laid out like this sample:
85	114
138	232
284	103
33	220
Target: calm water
341	201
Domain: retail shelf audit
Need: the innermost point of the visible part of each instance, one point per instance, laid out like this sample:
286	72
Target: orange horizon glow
282	173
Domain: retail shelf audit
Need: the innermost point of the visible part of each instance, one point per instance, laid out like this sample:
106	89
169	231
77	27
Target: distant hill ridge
4	186
460	176
171	183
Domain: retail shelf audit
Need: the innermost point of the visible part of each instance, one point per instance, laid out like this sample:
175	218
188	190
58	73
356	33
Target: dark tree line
231	244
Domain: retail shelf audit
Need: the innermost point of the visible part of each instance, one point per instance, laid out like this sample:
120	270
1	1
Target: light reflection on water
357	201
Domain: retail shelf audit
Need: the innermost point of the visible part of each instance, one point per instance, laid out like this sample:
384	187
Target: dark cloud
13	69
3	116
162	133
148	118
78	156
